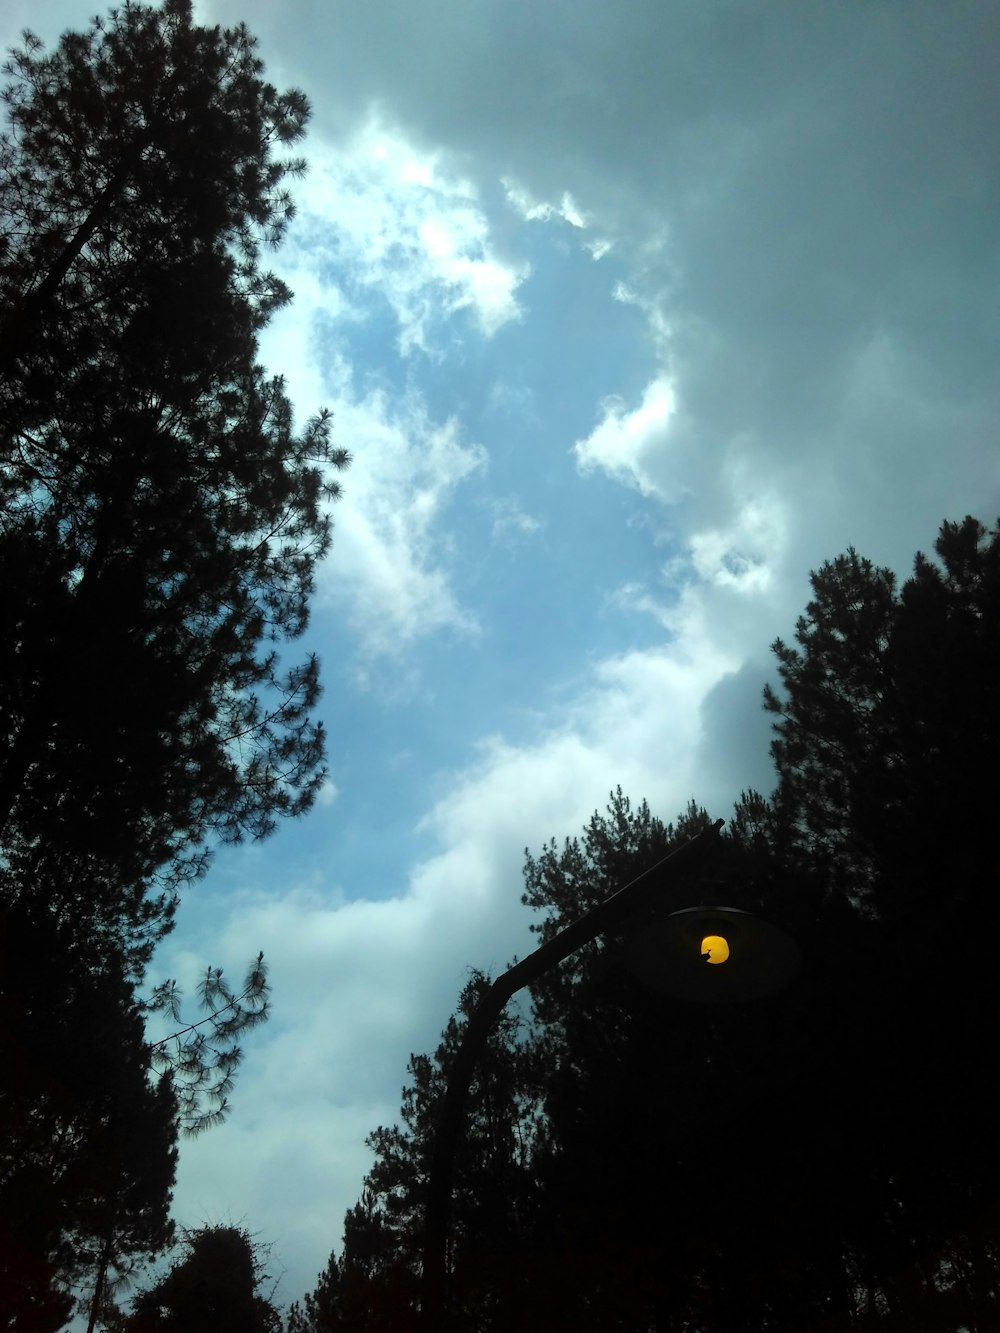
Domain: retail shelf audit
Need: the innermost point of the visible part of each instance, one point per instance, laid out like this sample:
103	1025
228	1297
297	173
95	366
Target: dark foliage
324	1308
200	1059
373	1287
160	522
161	518
825	1158
889	726
86	1141
214	1288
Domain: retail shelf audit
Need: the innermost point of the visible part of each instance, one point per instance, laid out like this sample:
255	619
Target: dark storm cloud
809	192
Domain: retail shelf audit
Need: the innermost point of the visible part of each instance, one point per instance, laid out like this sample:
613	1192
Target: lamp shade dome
714	955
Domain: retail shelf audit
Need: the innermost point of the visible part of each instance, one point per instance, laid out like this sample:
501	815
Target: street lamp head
714	955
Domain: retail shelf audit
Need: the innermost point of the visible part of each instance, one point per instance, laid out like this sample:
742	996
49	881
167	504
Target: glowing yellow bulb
714	949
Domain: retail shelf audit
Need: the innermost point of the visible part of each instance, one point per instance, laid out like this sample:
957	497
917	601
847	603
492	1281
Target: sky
630	315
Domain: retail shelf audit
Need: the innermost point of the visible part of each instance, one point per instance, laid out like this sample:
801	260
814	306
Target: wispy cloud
390	568
511	524
537	210
384	221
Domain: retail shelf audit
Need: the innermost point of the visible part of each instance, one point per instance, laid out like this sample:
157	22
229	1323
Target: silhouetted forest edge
825	1158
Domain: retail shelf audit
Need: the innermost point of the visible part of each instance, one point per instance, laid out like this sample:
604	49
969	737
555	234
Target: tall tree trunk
100	1284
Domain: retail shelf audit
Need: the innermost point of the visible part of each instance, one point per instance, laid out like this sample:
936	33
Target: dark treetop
161	519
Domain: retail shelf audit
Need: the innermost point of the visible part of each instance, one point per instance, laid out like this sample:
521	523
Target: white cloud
383	220
389	565
630	444
744	555
536	210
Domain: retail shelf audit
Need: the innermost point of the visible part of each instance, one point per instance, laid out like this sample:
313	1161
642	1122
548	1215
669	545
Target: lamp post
715	954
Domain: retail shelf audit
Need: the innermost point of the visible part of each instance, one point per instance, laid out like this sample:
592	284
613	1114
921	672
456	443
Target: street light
708	954
714	955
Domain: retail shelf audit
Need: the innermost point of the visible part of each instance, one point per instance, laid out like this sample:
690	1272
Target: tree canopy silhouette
87	1142
160	516
161	519
824	1158
888	725
215	1287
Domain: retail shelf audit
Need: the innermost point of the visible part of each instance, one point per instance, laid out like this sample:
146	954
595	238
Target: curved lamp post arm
599	921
